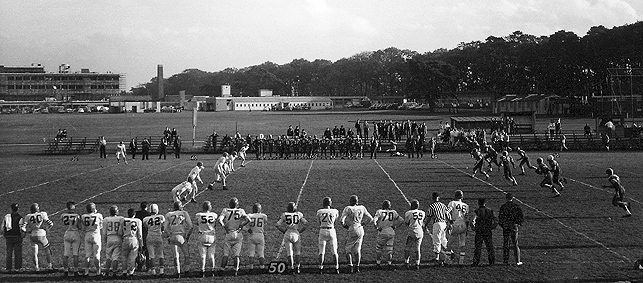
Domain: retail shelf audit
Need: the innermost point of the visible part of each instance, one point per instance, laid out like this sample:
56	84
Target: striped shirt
438	212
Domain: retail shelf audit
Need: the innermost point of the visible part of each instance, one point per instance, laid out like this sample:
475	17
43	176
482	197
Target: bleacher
71	146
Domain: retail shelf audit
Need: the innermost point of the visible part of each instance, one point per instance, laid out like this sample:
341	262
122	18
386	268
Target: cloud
333	19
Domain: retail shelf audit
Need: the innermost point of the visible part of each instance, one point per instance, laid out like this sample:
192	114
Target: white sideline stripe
392	181
301	190
206	188
545	214
600	189
114	189
56	180
34	168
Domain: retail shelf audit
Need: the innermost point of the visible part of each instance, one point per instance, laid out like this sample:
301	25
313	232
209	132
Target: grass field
578	237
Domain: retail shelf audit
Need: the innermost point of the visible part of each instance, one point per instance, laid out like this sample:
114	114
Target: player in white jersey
415	220
353	217
242	154
229	164
132	242
120	152
232	219
459	223
38	224
92	225
291	223
256	241
178	227
220	171
155	243
195	175
71	220
327	233
206	221
113	236
182	191
386	220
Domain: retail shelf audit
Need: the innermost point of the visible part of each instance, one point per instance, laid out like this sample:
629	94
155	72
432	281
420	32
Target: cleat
357	269
225	188
193	200
337	270
556	195
210	186
321	271
519	263
627	215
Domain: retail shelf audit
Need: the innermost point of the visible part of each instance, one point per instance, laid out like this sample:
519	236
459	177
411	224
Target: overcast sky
132	37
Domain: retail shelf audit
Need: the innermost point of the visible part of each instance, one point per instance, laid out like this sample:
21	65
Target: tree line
563	63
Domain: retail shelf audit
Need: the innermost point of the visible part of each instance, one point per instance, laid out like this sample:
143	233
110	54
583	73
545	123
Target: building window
11	87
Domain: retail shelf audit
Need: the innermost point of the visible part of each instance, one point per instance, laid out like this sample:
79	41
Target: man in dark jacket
133	147
177	146
510	219
162	148
13	234
483	224
145	146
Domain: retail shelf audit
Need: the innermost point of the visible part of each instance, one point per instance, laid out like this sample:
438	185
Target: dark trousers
177	152
14	252
103	153
162	153
146	155
487	239
133	153
510	239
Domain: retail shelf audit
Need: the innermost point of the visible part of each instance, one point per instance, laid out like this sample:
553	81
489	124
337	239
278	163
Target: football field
577	237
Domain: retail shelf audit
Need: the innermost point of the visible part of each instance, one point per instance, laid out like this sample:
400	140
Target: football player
256	241
132	241
556	171
327	233
71	220
120	152
242	154
113	236
524	160
291	223
206	222
178	227
547	176
92	225
195	175
182	191
38	224
506	162
220	171
458	236
386	220
155	246
414	219
232	219
353	217
479	164
619	192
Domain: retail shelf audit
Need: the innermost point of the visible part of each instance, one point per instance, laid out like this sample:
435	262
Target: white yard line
393	181
56	180
301	190
601	189
120	186
546	215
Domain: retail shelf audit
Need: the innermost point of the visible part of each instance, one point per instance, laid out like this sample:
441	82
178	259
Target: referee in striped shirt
438	217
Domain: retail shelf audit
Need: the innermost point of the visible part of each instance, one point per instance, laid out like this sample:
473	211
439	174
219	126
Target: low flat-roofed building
268	103
131	103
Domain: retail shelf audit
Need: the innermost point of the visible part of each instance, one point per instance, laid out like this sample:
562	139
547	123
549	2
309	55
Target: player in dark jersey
524	160
479	164
491	156
619	192
547	176
507	161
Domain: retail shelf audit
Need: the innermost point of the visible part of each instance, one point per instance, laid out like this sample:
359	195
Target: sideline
123	185
545	214
393	181
301	190
56	180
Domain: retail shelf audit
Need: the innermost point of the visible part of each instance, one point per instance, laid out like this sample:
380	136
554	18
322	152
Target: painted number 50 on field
277	267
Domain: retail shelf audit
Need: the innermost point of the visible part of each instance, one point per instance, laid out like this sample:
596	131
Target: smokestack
159	77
